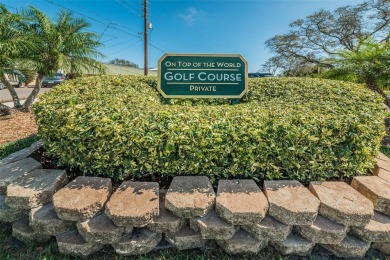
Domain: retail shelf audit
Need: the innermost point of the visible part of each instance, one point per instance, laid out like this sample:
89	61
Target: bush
285	128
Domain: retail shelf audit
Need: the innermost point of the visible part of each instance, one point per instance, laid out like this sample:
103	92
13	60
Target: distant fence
124	70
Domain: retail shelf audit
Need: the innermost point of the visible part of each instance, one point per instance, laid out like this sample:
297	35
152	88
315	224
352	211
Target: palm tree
60	45
15	43
370	64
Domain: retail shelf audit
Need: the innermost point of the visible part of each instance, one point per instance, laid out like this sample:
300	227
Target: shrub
285	128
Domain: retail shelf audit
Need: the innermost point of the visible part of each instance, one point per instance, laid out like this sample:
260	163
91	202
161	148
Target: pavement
6	99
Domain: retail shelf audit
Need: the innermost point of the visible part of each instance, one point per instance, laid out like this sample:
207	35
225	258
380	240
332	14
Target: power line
120	30
161	45
127	1
156	47
114	45
113	38
110	25
93	19
73	3
118	1
109	20
128	47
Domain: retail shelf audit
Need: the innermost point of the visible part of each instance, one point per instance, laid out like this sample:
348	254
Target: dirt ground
17	126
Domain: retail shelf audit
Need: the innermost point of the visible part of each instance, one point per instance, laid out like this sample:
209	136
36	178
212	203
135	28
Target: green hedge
285	128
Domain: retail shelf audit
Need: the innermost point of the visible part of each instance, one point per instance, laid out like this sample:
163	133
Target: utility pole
146	28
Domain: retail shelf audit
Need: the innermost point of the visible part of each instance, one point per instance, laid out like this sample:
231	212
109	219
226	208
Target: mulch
17	126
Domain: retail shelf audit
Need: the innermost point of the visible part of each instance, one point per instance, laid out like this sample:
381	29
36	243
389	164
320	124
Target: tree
61	44
15	42
48	46
319	37
123	62
369	63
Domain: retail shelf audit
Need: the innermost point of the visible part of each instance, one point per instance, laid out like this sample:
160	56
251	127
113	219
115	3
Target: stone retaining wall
86	214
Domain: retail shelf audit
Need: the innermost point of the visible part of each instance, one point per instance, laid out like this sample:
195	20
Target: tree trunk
12	91
373	85
5	110
30	99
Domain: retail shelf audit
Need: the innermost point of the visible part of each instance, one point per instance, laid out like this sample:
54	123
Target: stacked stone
293	206
85	215
341	208
377	190
25	189
13	168
119	222
218	218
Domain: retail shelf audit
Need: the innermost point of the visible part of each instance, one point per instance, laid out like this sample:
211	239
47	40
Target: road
22	92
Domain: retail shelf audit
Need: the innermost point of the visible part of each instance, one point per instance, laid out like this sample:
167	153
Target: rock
190	196
269	228
350	247
163	245
375	189
240	202
166	221
212	226
342	204
22	231
8	214
383	247
19	155
13	171
185	238
134	204
293	245
82	198
290	202
242	243
384	162
140	241
35	189
383	174
44	219
377	230
38	144
72	243
381	165
100	229
383	157
323	231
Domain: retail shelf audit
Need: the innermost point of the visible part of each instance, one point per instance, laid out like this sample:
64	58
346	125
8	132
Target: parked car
259	75
14	77
51	81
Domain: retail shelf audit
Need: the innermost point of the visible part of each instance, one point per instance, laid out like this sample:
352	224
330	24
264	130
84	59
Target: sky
185	26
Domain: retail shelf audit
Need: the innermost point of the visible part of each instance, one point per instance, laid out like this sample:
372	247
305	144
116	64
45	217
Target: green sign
202	76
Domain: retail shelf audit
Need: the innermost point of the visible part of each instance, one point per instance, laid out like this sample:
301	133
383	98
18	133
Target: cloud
190	15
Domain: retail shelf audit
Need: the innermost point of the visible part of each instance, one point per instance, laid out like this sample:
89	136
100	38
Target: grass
385	150
11	248
9	148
